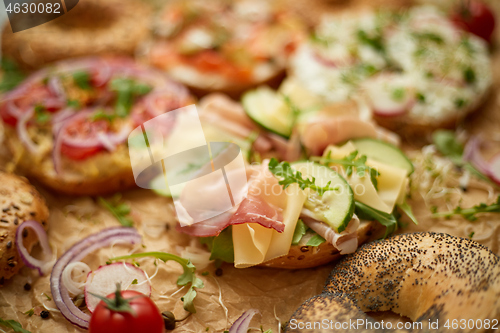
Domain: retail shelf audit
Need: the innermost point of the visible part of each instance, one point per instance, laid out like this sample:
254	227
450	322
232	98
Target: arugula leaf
11	76
406	208
127	90
14	325
366	212
188	277
221	246
300	230
41	114
470	213
119	211
352	161
315	240
285	171
82	80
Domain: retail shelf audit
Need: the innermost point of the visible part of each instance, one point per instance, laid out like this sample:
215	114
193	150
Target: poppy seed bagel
423	276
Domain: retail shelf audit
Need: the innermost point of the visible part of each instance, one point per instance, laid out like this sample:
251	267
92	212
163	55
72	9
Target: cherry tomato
476	17
147	316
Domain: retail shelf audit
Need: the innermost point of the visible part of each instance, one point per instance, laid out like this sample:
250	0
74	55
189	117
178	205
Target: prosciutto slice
346	241
255	208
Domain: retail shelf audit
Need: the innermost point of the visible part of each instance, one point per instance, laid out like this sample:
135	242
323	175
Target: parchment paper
275	293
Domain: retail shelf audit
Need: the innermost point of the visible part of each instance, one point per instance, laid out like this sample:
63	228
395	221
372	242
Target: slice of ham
253	209
346	241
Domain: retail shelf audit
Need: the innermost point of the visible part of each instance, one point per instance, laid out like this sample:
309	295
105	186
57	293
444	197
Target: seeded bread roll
424	276
19	201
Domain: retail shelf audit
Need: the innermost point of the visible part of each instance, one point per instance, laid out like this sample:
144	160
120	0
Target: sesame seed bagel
423	276
19	201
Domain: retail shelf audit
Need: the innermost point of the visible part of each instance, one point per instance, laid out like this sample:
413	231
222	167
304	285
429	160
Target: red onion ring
77	252
56	87
22	131
41	265
473	155
241	324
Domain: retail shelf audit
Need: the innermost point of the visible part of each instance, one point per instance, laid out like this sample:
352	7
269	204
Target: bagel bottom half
426	277
311	256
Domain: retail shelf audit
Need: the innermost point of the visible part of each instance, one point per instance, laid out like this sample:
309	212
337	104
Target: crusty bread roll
19	201
300	257
424	276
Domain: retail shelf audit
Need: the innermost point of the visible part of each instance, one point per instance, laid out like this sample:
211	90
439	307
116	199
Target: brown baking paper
275	293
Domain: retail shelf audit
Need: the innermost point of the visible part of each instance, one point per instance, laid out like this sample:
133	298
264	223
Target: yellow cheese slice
392	181
280	242
255	244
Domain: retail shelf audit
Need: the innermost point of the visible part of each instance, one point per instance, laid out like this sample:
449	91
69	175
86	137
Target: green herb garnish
368	213
47	296
188	277
101	115
11	76
470	213
127	90
406	208
374	41
350	162
73	103
41	114
135	281
469	75
398	94
430	36
119	211
289	177
14	325
82	80
221	246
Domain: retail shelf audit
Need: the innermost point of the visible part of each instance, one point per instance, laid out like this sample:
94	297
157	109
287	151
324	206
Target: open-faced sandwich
224	46
296	214
415	69
67	125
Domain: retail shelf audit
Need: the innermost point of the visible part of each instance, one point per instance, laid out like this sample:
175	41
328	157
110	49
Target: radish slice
103	282
389	95
495	169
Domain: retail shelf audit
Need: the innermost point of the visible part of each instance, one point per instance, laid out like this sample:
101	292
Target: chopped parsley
82	80
428	36
469	75
73	103
101	115
41	114
374	41
398	94
126	91
420	97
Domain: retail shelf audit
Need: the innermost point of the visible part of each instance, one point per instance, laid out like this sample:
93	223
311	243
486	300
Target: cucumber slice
335	208
383	152
269	109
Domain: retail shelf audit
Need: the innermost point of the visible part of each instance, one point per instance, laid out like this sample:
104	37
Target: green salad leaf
14	325
119	210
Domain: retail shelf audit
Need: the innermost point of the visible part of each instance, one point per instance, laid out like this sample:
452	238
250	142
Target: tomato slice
80	138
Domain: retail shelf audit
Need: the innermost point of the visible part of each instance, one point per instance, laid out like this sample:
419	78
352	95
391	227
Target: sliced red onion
77	252
495	169
13	110
102	74
472	154
43	266
22	131
56	87
241	324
